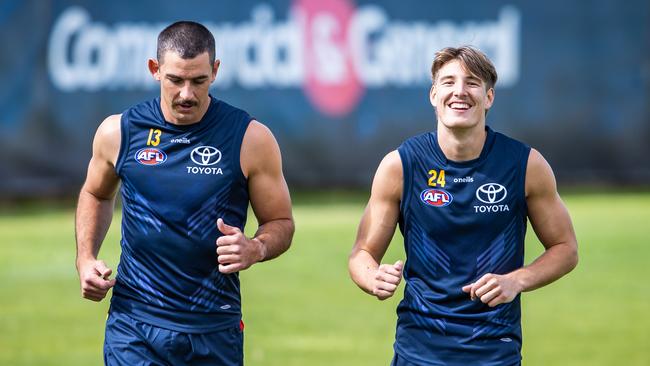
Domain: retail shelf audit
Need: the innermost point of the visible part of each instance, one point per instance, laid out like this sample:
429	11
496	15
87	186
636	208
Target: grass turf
302	309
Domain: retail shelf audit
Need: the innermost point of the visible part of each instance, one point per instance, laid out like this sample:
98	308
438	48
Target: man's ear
432	95
215	68
490	98
154	68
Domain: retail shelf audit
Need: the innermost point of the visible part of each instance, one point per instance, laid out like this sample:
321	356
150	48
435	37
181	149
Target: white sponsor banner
326	50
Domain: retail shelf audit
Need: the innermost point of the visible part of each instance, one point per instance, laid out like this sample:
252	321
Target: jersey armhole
124	143
239	181
524	170
237	145
407	179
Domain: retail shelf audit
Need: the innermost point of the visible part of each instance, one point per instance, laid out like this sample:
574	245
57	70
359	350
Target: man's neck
462	144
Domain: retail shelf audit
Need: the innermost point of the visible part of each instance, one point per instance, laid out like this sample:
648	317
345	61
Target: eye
175	80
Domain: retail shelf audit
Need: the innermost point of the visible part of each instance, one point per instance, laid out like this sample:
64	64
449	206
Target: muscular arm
269	196
376	230
551	221
552	224
95	210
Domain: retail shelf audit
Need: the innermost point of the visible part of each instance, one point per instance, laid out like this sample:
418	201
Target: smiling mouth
459	106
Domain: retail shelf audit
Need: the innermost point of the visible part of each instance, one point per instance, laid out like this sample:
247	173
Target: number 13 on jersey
154	137
436	178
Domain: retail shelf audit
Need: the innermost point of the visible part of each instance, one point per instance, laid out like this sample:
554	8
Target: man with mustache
188	164
462	196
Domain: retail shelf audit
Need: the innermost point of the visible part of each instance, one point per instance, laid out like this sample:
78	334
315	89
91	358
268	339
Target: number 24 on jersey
436	178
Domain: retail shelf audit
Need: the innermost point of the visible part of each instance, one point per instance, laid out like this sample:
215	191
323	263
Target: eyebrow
471	77
198	78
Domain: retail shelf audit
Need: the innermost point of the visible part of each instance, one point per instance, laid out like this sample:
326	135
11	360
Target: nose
460	89
186	90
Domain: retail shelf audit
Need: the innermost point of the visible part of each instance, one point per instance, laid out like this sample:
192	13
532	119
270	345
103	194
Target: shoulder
109	130
257	132
391	163
108	138
259	148
540	179
388	180
258	136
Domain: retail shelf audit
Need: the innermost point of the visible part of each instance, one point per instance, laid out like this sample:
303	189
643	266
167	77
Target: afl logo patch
150	156
436	197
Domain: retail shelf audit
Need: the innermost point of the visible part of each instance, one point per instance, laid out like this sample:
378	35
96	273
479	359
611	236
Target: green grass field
302	309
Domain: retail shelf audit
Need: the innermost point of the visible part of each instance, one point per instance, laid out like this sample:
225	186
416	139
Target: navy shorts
400	361
131	342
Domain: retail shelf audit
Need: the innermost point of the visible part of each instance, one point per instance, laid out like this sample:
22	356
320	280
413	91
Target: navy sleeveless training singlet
176	182
460	220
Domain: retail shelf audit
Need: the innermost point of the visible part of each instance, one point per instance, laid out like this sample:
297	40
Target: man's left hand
493	289
236	252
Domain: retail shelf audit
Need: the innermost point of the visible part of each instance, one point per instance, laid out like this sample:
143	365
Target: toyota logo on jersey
491	193
205	155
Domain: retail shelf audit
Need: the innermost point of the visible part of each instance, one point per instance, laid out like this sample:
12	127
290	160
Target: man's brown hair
475	61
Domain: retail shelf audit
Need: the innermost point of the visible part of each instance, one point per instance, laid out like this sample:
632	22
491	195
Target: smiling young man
189	164
462	196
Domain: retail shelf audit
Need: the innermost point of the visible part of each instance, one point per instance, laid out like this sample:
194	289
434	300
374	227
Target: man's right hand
94	277
386	279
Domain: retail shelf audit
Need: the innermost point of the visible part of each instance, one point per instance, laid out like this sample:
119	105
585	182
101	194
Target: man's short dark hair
188	39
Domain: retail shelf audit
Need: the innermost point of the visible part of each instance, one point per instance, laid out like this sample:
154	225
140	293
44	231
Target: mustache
187	102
